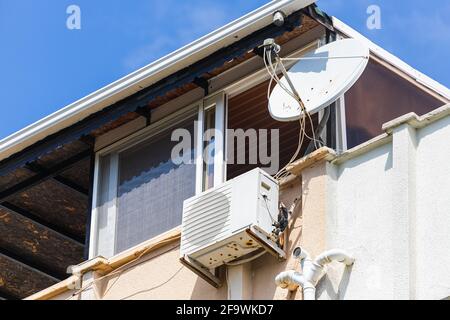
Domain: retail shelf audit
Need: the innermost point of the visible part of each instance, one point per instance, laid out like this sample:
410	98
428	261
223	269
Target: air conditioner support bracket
202	272
267	243
258	235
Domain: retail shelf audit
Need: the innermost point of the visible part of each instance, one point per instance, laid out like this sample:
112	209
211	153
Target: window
141	188
151	189
209	148
380	95
248	111
213	124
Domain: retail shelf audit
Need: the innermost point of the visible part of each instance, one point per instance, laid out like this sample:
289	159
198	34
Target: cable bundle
305	116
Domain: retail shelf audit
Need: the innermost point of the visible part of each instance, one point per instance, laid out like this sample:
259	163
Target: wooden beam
43	176
66	183
7	296
36	267
62	232
88	140
71	185
20	279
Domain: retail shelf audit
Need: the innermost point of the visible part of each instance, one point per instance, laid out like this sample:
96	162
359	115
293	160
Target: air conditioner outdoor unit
229	222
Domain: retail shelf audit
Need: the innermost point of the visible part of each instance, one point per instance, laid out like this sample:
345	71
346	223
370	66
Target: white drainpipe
313	271
292	280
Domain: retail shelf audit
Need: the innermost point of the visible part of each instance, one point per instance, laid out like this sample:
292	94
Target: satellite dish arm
319	131
270	46
291	85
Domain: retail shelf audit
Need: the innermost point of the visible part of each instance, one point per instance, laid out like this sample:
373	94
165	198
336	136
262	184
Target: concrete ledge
362	148
56	289
144	249
322	154
417	122
326	154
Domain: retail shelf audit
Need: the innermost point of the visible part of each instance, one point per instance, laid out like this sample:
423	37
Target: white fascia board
148	75
393	60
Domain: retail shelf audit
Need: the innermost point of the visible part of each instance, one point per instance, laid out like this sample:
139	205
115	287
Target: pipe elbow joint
335	255
284	279
291	280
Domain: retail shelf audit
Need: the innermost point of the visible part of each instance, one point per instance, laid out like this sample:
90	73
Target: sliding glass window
141	188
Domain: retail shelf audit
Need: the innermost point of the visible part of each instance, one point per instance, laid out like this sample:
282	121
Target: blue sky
44	66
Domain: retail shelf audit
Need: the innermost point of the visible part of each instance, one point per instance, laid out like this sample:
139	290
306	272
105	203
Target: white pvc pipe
284	279
292	280
316	270
335	255
313	271
309	292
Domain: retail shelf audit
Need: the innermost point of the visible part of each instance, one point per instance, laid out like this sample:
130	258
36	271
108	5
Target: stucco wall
161	276
433	211
389	207
361	222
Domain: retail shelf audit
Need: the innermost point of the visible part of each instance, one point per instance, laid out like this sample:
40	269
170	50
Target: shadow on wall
327	286
204	291
361	160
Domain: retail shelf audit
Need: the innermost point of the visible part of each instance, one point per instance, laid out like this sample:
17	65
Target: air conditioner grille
206	219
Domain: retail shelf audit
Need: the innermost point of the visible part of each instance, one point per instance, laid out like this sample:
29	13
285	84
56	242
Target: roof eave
147	75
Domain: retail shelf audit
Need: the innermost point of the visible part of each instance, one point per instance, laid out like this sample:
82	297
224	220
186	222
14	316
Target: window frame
219	102
196	110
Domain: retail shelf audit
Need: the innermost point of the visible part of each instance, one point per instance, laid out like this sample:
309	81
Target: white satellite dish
320	78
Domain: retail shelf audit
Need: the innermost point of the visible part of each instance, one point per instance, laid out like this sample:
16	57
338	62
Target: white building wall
433	211
390	208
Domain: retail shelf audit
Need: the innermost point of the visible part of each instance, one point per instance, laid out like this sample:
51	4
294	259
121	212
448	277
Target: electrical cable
155	287
120	269
274	76
305	115
268	210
